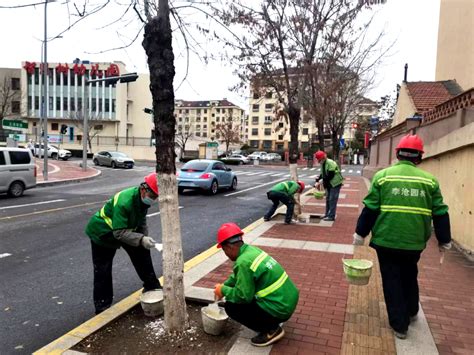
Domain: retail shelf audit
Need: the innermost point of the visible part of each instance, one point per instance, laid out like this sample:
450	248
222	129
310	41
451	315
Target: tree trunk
294	115
157	43
320	126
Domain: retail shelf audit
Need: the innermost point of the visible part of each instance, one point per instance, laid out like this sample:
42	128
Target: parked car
113	159
206	175
257	155
54	152
272	157
239	158
17	171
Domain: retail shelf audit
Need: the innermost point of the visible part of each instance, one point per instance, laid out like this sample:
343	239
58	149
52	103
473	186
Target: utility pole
44	116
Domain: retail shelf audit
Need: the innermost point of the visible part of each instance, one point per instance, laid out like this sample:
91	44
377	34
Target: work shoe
413	318
266	219
400	335
329	219
267	338
293	221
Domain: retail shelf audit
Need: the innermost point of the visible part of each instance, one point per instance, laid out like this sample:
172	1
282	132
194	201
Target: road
45	259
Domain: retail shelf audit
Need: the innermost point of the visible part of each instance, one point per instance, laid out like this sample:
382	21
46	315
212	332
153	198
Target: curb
76	335
69	181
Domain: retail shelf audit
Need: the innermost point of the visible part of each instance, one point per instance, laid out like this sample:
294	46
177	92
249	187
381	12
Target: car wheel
113	165
180	190
54	156
234	184
214	187
96	162
16	189
240	162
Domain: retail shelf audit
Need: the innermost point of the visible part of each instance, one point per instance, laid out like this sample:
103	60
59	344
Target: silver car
206	175
17	171
113	159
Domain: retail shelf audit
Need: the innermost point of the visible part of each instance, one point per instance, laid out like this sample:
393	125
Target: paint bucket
357	271
214	319
319	193
152	303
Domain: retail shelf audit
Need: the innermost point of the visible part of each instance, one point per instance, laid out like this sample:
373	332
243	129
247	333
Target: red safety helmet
301	183
227	231
320	155
152	183
412	142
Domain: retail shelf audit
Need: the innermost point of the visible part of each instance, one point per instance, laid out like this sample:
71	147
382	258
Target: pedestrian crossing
285	174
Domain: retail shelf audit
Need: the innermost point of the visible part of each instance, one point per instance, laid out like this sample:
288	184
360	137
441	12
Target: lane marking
32	204
257	173
304	169
313	176
264	174
350	171
255	187
279	174
312	169
343	170
157	213
4	255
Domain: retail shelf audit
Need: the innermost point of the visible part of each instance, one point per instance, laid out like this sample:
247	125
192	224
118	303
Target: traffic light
63	129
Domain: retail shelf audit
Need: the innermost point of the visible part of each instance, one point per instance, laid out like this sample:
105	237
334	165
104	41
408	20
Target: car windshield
51	145
195	166
118	155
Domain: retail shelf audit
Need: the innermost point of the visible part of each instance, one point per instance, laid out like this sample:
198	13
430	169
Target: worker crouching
259	294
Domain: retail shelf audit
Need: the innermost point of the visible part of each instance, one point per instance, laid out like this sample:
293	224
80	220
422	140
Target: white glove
444	247
148	243
358	240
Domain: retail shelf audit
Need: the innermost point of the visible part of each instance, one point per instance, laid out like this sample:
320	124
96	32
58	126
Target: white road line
271	172
350	171
312	169
302	176
157	213
4	255
304	169
279	174
252	174
32	204
255	187
343	170
358	171
286	175
313	176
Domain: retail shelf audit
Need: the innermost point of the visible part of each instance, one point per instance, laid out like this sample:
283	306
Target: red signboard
79	69
30	67
366	140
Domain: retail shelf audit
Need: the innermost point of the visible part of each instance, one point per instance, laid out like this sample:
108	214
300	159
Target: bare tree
10	100
94	126
228	132
184	133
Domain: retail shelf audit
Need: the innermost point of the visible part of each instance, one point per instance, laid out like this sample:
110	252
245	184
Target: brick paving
59	170
333	317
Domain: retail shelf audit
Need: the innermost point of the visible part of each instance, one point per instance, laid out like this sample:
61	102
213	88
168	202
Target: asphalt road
45	258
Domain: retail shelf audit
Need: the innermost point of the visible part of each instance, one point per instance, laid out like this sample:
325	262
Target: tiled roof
206	103
427	94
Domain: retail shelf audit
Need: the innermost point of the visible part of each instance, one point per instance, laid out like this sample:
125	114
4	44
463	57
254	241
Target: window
15	83
179	111
2	159
186	111
15	106
280	125
204	134
254	119
37	102
58	103
65	103
58	78
268	120
186	119
218	119
198	134
204	126
100	105
19	157
198	119
280	137
113	105
279	147
213	115
268	95
305	131
36	76
255	107
267	144
218	110
107	101
180	119
54	126
254	144
205	110
256	96
198	127
268	107
218	166
268	131
205	119
50	103
254	131
198	111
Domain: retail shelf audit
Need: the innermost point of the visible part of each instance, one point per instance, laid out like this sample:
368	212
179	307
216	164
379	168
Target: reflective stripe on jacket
406	198
123	211
258	276
331	165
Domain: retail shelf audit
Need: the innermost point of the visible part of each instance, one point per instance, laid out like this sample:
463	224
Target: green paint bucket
357	271
318	195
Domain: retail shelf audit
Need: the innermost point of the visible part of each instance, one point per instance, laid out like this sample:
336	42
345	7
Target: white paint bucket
214	319
152	303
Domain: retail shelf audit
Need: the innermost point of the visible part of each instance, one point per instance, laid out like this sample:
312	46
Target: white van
17	171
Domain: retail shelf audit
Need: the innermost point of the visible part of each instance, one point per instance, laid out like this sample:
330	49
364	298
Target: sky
412	25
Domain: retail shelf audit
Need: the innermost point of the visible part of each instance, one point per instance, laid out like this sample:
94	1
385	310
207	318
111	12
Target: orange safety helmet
319	155
152	183
227	231
412	142
301	183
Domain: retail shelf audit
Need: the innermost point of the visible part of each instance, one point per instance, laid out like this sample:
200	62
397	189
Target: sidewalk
332	316
63	171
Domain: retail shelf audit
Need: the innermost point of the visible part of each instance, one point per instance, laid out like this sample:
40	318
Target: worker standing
259	294
284	192
332	183
402	202
121	222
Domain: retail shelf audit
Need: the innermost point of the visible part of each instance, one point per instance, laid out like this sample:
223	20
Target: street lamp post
45	96
125	78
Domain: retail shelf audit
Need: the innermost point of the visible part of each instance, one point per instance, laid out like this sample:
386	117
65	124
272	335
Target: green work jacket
406	198
331	165
123	211
287	187
258	276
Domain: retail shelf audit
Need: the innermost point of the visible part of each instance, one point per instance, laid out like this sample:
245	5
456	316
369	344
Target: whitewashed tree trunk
294	177
176	318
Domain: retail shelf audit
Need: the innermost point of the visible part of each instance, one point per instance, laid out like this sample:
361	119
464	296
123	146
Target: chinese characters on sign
78	69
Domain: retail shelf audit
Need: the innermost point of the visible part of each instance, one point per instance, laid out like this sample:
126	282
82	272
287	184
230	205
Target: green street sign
9	124
212	144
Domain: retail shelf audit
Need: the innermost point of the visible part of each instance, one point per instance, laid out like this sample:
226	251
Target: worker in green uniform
259	294
402	202
284	192
332	183
121	222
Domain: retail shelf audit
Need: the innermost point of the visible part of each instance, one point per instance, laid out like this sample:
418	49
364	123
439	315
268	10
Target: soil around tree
136	333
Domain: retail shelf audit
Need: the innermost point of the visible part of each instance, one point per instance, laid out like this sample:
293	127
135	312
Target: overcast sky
412	23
